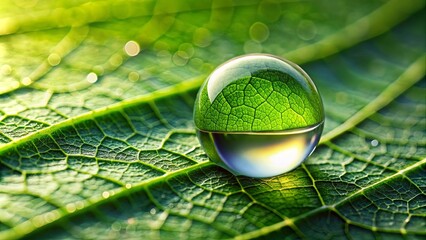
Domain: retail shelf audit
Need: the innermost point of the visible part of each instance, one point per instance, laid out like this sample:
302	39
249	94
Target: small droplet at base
260	155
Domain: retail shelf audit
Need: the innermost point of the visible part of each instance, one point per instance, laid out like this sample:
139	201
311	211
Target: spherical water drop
258	116
374	143
132	48
105	194
133	76
92	77
54	59
6	69
26	81
259	32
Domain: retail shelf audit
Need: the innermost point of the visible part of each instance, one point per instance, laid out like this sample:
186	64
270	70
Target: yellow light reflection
279	157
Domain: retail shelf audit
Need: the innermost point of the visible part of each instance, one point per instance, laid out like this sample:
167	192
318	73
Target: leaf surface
99	143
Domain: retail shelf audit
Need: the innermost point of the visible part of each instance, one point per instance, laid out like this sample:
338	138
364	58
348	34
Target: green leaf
97	143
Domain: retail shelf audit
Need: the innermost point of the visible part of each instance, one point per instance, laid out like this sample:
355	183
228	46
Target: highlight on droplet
53	59
132	48
92	77
26	81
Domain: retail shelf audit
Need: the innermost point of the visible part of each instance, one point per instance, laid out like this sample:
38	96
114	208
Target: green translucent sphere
258	115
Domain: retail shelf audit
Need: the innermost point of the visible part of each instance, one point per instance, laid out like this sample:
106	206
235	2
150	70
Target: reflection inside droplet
260	154
258	115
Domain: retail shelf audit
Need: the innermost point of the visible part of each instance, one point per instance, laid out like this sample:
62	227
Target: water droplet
70	207
116	226
306	30
128	185
131	221
105	194
153	211
26	81
118	91
265	154
92	77
54	59
6	69
258	116
202	37
180	58
133	76
259	32
374	143
132	48
187	48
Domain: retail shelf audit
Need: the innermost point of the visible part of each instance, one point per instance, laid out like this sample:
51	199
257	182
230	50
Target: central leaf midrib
162	93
